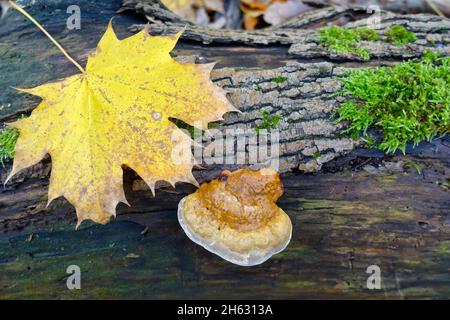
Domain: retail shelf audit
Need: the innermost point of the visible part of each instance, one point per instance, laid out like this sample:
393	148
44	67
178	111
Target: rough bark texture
377	210
431	31
400	6
304	101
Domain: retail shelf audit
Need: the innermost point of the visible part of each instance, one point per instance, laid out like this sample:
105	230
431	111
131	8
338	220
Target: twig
435	8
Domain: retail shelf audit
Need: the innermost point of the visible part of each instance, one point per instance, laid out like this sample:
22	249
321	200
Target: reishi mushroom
235	216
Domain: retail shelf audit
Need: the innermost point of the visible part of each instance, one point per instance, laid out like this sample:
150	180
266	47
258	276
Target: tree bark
375	210
305	100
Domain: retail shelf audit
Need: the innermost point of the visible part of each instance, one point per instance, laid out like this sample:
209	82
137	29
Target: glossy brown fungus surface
235	216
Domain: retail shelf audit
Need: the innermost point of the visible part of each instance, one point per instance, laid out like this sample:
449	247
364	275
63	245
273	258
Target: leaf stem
435	8
22	11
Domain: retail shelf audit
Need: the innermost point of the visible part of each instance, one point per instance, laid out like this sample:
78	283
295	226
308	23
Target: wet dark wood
392	217
362	209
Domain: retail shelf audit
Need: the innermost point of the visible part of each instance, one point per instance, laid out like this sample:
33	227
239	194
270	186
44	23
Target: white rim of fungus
252	258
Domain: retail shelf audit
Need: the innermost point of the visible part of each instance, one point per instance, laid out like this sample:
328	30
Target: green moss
343	40
367	34
400	35
409	101
279	79
433	57
316	154
268	122
8	138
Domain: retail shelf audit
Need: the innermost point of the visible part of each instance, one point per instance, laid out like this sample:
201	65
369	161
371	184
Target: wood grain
361	209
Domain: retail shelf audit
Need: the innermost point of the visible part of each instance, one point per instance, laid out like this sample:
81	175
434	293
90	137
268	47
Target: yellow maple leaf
117	113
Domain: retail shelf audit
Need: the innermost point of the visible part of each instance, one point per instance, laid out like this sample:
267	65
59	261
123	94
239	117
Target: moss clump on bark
344	40
279	79
268	122
8	138
407	102
400	35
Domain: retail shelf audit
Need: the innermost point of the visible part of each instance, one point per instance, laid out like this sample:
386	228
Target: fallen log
375	210
305	100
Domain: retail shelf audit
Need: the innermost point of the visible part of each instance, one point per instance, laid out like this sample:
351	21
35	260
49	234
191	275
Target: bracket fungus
235	216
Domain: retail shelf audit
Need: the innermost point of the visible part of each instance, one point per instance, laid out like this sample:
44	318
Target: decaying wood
305	100
402	6
387	215
431	31
382	213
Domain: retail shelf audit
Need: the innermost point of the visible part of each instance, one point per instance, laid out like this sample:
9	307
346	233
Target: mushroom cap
235	216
